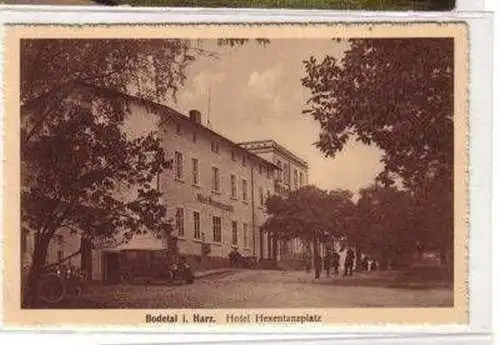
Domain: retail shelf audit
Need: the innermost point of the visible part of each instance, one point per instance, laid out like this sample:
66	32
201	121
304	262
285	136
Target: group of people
331	262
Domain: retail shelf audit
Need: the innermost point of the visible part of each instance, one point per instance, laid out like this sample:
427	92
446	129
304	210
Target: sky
256	94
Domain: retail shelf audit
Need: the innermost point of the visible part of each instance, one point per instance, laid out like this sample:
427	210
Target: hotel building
215	192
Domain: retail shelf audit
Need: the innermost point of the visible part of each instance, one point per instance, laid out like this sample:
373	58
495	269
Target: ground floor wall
102	263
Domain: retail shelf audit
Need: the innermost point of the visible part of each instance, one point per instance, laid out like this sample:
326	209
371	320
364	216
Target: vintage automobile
237	260
147	266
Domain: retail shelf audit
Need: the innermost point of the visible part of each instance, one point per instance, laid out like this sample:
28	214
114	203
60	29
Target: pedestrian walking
349	263
327	263
235	258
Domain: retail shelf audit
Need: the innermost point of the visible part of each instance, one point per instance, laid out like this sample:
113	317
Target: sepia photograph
377	5
241	173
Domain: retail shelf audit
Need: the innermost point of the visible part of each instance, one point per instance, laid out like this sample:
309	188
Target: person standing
349	262
364	264
335	262
327	263
234	258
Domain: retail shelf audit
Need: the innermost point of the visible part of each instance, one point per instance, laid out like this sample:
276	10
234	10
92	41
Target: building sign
209	201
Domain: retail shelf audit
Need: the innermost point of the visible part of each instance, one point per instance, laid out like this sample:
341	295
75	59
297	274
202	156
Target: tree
153	69
72	173
74	158
396	94
74	151
387	228
310	214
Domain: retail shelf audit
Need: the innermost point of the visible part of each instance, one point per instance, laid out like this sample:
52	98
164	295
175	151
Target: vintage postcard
386	5
238	175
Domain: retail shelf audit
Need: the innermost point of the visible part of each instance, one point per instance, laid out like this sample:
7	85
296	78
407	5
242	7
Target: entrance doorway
111	267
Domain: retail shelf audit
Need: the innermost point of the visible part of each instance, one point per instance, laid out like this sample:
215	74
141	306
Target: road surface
263	289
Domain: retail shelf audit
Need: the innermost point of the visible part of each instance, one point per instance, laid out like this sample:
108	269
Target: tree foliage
74	151
387	224
83	176
81	173
396	94
312	215
73	175
309	213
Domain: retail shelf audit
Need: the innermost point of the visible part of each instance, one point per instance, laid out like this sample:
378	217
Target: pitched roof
163	109
271	144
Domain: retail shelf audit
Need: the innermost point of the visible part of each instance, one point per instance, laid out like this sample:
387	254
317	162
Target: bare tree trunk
316	258
275	247
31	297
86	256
358	257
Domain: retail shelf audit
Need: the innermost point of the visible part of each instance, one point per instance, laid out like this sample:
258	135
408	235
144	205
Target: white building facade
215	193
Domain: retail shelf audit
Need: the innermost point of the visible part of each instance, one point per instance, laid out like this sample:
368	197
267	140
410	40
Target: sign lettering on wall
209	201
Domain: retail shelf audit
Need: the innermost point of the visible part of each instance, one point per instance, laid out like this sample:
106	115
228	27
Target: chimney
195	116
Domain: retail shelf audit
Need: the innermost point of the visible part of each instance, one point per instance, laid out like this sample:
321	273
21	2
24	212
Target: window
233	155
194	137
268	172
280	172
215	147
179	221
301	179
245	235
195	172
261	169
233	187
196	222
244	160
178	129
178	165
261	196
215	179
244	187
217	229
235	234
295	178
